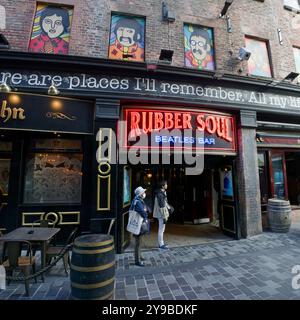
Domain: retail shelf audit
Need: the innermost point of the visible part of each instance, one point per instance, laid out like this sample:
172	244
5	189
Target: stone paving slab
256	268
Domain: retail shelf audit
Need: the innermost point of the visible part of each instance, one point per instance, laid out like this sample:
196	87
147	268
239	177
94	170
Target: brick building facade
258	103
91	26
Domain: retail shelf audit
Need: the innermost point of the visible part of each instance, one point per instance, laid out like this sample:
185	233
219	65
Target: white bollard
2	278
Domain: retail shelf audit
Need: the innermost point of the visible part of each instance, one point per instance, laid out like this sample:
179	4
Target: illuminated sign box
179	129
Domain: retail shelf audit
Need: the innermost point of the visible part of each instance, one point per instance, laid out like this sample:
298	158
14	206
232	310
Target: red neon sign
214	126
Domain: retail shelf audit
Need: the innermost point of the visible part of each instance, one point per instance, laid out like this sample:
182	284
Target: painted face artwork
199	47
127	38
199	51
52	26
51	29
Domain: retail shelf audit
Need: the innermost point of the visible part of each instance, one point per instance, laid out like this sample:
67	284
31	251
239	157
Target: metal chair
110	226
14	260
42	223
53	251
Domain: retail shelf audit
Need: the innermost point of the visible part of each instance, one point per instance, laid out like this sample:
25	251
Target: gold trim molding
108	168
59	217
108	192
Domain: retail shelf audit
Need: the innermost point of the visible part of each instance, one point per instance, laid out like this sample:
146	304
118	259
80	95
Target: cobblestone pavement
256	268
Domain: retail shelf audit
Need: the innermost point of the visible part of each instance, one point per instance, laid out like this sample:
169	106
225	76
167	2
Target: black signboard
21	111
121	85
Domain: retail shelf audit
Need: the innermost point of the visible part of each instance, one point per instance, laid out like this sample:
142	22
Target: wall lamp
291	76
227	4
4	44
226	16
167	15
166	56
4	87
53	91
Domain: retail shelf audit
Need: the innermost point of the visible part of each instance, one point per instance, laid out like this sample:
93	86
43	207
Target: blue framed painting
126	186
226	183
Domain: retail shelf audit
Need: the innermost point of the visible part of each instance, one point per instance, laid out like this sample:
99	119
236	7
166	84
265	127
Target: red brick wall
91	24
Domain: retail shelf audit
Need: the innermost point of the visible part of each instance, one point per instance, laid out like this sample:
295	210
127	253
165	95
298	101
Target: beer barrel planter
279	215
92	270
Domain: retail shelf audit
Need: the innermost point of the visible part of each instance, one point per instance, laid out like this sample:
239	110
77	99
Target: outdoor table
39	235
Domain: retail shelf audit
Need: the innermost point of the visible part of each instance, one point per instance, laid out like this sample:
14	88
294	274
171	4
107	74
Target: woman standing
140	207
161	212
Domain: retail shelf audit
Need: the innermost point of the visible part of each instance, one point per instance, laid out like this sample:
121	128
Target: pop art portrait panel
127	38
258	64
51	29
297	61
199	47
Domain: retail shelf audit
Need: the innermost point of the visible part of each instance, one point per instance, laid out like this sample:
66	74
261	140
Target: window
2	18
263	176
259	63
297	61
4	175
127	38
292	4
53	173
278	176
51	29
5	164
199	47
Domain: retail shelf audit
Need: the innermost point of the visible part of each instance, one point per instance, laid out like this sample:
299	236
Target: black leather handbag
145	227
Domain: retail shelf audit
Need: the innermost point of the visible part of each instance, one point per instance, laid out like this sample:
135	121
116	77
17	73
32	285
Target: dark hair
163	182
201	33
129	23
61	12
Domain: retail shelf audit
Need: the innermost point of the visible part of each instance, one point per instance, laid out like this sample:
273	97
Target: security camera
244	54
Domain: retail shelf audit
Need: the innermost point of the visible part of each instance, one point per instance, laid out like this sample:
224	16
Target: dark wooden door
229	218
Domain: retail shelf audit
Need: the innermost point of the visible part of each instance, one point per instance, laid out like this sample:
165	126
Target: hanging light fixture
4	87
53	91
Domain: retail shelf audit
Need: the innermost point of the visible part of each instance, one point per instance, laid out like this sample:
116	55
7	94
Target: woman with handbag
161	212
140	207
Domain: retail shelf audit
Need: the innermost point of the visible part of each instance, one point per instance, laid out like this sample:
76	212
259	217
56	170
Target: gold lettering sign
7	113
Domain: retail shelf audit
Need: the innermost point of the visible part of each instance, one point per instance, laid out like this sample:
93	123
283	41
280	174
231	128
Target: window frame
69	4
214	47
298	78
267	42
31	149
289	8
132	16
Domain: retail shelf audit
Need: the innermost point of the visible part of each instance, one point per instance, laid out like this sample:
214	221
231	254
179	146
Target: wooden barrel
92	269
279	215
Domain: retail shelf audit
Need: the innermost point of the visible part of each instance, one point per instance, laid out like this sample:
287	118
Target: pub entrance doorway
204	205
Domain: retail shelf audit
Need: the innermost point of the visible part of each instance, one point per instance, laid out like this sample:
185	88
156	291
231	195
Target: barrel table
92	270
279	215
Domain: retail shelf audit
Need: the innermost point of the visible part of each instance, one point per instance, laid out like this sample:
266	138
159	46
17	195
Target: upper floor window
297	60
259	62
199	47
51	29
127	38
292	4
